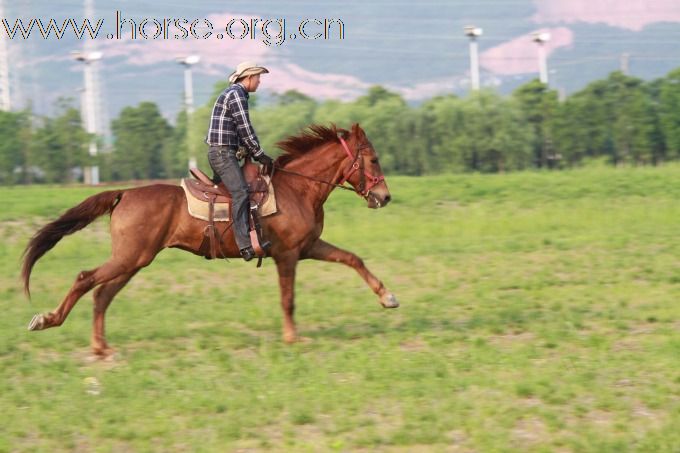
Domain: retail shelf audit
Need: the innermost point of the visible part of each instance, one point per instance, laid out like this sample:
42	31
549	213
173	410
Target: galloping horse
147	219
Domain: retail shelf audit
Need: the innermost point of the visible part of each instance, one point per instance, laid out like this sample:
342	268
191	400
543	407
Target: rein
340	186
362	190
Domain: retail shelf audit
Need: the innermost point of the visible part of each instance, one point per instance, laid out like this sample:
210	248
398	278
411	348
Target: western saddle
212	191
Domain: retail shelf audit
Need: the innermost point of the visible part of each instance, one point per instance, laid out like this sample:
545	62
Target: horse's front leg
322	250
286	268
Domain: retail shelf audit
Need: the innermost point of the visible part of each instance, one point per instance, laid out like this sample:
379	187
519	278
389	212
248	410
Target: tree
15	132
385	118
621	118
377	94
669	112
291	112
494	136
342	114
483	132
539	104
657	138
570	138
60	144
439	130
292	97
634	125
594	116
177	153
613	117
141	143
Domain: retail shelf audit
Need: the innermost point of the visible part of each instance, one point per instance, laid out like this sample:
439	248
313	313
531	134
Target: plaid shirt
230	122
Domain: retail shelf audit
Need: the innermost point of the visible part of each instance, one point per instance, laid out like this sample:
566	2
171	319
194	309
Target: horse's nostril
387	198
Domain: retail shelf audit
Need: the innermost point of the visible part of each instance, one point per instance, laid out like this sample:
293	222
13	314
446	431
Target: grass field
540	312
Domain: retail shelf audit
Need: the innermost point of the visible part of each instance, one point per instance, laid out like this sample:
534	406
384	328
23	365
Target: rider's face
253	83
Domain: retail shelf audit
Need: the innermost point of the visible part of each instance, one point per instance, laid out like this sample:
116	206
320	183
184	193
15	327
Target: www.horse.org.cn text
271	32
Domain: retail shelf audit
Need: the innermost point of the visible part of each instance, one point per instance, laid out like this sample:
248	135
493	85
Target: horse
147	219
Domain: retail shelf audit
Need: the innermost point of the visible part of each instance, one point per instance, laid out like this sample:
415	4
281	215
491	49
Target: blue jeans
224	162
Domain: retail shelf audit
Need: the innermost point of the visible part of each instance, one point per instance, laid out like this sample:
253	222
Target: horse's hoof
389	301
105	354
297	339
37	322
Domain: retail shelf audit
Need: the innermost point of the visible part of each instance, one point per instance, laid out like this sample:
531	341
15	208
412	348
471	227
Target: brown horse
147	219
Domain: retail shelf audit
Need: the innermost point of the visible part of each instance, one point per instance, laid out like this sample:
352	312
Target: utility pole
188	62
89	57
91	173
541	38
625	63
5	99
473	33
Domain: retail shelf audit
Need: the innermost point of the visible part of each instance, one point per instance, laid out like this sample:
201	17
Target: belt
241	152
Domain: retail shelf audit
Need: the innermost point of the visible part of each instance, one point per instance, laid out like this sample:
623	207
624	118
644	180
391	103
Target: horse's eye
374	160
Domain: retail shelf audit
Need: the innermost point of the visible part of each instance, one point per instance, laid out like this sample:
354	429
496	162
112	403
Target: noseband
357	163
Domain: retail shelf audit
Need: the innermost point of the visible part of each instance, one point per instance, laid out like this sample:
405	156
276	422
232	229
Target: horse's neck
322	164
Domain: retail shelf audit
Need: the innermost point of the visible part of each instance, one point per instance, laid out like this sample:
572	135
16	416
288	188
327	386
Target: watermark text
271	32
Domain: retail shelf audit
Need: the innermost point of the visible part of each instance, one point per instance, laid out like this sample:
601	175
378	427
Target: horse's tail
76	218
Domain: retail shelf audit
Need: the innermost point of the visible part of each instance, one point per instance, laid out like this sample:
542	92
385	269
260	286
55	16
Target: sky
417	49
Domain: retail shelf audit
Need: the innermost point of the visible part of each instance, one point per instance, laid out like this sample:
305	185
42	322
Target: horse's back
154	199
146	213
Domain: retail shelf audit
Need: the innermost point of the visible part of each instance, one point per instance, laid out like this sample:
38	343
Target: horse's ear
357	131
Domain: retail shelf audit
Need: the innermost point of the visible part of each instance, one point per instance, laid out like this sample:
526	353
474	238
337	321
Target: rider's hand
267	163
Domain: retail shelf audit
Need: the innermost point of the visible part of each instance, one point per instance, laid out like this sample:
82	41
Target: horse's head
364	173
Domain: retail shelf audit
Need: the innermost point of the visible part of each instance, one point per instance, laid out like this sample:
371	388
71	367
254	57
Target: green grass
539	313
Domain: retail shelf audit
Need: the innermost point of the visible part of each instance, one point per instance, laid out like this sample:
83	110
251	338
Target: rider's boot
247	253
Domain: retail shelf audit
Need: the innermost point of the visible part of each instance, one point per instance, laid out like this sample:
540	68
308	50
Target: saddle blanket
200	209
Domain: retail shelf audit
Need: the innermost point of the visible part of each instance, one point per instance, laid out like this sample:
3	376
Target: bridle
356	164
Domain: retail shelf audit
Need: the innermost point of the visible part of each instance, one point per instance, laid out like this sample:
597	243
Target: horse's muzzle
378	200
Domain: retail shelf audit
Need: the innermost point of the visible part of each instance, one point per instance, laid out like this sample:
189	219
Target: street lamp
541	38
188	62
473	33
90	119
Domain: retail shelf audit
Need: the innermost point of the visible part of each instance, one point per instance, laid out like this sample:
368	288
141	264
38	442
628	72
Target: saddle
204	188
214	192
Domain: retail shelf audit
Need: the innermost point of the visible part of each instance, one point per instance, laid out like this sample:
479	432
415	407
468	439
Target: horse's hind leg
85	281
103	296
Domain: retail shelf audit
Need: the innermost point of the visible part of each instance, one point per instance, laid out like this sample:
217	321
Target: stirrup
247	253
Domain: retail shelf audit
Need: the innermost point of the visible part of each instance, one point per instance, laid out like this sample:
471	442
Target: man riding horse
148	219
231	137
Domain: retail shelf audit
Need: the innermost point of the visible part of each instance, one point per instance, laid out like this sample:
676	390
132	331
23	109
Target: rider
231	137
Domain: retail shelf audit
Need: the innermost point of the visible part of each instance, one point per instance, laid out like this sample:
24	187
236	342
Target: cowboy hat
246	68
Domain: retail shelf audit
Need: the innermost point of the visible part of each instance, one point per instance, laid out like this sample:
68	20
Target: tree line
619	119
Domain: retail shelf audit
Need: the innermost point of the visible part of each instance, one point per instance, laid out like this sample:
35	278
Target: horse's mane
309	139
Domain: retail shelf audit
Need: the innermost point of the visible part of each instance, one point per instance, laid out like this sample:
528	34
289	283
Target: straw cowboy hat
246	68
